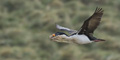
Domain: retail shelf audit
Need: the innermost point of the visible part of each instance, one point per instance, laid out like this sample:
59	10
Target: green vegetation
25	26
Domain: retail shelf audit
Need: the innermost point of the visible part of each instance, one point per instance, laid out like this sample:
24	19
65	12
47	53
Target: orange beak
53	35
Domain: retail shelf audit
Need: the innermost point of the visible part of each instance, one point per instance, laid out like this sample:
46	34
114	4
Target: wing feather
65	29
92	22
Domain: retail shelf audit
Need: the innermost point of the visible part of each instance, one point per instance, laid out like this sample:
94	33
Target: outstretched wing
92	22
65	29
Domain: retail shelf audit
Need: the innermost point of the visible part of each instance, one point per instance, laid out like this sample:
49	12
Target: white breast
80	39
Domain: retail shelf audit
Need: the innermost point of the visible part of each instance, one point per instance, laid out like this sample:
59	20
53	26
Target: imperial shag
84	35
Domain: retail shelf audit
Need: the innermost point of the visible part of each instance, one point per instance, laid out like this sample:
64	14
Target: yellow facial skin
53	35
58	38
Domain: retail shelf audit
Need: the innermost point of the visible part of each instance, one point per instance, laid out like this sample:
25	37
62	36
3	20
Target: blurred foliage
25	26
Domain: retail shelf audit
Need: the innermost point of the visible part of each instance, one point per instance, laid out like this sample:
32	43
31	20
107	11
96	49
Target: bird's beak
53	35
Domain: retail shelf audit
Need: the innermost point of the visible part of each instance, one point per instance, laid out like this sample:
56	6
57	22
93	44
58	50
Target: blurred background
25	26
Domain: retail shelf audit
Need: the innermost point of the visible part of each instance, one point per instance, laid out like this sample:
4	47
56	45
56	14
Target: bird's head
58	37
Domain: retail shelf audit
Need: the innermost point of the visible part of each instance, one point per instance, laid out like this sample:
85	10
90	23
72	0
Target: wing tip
57	26
99	10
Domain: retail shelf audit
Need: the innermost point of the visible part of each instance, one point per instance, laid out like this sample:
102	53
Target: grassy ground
25	26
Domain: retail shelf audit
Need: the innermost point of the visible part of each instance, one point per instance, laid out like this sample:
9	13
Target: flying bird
84	35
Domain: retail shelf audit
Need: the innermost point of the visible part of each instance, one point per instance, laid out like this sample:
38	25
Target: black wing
92	22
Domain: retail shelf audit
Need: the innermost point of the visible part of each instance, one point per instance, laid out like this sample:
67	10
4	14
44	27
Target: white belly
81	39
